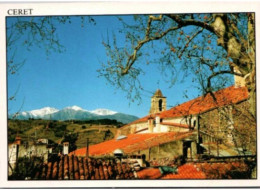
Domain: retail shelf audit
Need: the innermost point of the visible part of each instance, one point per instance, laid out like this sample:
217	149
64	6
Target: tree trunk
251	82
240	49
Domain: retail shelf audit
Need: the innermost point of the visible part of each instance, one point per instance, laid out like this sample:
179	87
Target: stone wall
169	150
231	125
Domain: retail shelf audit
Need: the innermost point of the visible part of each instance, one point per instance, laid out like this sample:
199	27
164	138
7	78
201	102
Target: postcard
129	94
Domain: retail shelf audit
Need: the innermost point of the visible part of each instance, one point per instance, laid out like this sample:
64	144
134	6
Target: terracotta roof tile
186	171
202	104
132	143
197	171
221	170
226	96
82	169
149	173
97	169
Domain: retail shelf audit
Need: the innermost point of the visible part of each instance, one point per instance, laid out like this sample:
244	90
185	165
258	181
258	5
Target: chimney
118	133
157	123
50	150
150	124
17	140
87	148
66	148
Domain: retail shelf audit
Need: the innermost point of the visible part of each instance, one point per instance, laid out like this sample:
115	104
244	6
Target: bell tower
158	102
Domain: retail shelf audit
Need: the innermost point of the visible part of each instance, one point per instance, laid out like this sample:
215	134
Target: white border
100	8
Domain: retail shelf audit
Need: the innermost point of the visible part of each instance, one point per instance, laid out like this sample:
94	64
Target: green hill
95	130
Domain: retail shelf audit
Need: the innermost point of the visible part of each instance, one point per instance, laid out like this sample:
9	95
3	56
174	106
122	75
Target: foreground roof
226	96
186	171
133	143
75	168
80	168
200	170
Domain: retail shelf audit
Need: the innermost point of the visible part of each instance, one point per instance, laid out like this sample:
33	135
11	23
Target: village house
20	149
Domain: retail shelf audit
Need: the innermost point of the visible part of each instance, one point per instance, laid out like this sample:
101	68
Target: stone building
215	122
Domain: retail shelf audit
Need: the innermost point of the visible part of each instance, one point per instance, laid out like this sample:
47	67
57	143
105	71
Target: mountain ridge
73	113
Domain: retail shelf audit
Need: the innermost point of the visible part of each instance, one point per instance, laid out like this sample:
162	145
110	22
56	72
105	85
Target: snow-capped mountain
76	108
103	112
38	113
74	113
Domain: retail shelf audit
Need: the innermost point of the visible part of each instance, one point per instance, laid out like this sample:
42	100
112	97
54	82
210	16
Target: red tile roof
133	143
149	173
226	96
222	169
198	171
230	95
186	171
75	168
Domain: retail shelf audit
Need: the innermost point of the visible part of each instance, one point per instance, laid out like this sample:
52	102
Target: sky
70	78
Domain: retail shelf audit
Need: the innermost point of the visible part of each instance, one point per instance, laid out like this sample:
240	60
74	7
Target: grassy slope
29	129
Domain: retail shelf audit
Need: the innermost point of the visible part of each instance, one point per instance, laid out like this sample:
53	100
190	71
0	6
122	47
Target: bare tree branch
191	22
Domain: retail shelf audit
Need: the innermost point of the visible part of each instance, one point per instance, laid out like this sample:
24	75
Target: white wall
158	127
181	120
12	153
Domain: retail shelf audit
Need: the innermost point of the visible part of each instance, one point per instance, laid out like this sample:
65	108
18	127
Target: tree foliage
209	46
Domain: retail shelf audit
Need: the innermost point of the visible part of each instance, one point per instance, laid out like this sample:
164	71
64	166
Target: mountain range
73	113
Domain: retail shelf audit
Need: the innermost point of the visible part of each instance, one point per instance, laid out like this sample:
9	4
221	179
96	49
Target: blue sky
70	78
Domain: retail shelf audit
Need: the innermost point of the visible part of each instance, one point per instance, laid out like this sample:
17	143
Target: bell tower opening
160	105
158	102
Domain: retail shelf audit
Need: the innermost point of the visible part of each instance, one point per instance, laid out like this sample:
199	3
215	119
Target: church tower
158	102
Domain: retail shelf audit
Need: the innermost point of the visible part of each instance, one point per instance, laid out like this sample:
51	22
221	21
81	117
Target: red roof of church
226	96
133	143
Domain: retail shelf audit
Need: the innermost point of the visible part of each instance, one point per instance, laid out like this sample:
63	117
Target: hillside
96	130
